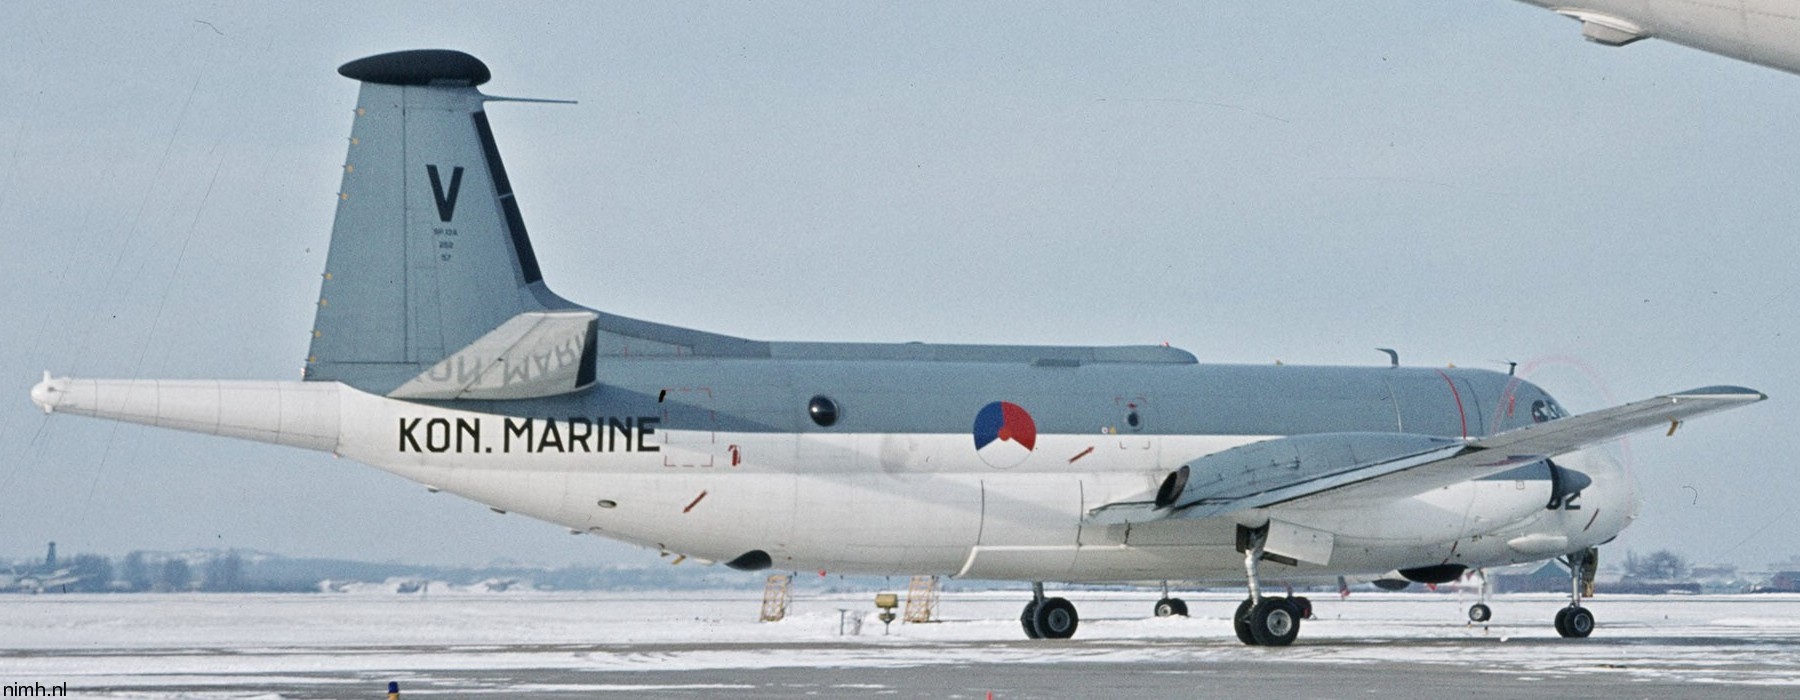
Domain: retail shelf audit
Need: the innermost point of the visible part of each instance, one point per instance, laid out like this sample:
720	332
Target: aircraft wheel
1275	622
1480	612
1025	619
1575	623
1170	607
1240	623
1055	618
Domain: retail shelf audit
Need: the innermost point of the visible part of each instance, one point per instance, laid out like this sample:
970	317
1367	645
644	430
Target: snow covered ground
182	645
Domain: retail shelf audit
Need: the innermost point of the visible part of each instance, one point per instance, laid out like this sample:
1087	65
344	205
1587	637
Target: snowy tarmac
568	645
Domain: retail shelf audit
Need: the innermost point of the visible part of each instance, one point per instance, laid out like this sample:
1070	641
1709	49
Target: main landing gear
1048	618
1055	618
1259	620
1575	621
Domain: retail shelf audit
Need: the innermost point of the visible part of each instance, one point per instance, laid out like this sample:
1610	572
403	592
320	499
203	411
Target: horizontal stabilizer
533	354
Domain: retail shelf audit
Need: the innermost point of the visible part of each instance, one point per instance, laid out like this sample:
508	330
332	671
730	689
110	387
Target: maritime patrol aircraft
1765	32
42	577
440	354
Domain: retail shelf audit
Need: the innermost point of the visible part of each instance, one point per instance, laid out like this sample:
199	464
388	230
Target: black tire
1274	622
1055	618
1170	607
1577	623
1025	619
1302	606
1480	612
1562	622
1240	623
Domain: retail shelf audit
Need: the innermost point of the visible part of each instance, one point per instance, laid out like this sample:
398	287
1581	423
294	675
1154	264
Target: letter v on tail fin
428	251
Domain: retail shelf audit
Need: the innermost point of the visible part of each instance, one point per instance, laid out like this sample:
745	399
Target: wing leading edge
1347	469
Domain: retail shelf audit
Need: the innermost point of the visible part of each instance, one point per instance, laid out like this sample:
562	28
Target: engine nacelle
1442	573
1261	466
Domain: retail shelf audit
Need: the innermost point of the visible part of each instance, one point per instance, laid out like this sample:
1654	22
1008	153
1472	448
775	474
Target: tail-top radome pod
429	252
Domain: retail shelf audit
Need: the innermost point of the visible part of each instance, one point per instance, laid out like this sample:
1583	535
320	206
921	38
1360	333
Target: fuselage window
823	411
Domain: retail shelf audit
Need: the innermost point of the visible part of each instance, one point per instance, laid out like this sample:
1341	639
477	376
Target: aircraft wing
1345	469
1497	453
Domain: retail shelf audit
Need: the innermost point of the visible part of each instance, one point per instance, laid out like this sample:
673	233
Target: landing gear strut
1048	618
1575	621
1260	621
1168	607
1480	612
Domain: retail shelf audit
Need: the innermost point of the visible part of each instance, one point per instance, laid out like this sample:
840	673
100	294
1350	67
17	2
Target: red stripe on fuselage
1459	407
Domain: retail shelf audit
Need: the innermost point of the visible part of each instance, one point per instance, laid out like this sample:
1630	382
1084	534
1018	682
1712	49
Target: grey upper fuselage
694	379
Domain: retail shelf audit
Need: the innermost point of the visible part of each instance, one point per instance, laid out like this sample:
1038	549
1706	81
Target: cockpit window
1542	410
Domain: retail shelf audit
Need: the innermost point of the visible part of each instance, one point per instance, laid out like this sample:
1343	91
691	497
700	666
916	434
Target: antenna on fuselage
1393	356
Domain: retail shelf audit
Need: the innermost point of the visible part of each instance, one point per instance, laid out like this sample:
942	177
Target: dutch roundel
1004	434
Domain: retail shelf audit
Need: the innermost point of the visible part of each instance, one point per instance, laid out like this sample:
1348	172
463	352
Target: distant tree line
1660	565
232	571
142	572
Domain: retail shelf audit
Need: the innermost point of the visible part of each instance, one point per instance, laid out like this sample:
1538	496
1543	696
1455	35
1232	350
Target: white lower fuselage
923	503
876	503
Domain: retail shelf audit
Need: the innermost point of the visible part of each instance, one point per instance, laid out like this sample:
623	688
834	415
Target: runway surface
543	645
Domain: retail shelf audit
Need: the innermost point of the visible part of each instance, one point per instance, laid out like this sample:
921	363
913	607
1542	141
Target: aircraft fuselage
714	458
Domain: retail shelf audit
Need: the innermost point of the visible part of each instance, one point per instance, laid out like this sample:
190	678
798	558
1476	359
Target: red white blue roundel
1004	434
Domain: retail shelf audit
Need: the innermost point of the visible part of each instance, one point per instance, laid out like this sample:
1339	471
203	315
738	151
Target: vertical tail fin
428	250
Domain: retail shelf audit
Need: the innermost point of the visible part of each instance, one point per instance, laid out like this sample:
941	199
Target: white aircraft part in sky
1765	32
440	354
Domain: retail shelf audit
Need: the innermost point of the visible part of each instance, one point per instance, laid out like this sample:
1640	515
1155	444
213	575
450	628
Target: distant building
1549	578
1640	587
1722	571
1782	582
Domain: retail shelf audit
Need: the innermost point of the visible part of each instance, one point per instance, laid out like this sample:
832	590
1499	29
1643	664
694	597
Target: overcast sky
1301	181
